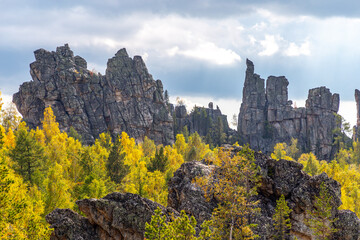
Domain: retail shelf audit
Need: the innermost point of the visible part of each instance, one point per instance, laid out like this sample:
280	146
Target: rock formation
277	178
118	216
125	99
267	117
205	121
123	216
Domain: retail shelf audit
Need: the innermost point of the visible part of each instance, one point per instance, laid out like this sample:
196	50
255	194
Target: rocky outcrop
119	216
277	178
126	99
186	195
123	216
267	117
208	122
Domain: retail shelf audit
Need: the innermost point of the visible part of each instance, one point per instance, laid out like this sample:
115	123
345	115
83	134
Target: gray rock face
126	99
186	195
117	216
267	117
277	178
70	225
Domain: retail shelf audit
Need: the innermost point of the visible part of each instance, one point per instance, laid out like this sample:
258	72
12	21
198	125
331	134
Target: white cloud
347	109
173	51
145	56
270	46
209	52
295	50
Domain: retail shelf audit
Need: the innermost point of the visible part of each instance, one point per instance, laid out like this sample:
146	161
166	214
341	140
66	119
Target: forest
43	169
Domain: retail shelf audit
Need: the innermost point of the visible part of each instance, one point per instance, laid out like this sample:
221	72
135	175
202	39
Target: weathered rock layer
267	117
126	99
118	216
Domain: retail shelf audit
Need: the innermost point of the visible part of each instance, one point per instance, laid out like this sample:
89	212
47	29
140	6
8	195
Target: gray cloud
203	32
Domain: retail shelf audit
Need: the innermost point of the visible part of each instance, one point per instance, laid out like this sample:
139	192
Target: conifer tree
74	134
158	228
320	219
292	150
160	162
182	227
28	156
281	219
311	165
116	168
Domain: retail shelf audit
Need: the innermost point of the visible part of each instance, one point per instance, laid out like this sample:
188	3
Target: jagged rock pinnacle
126	99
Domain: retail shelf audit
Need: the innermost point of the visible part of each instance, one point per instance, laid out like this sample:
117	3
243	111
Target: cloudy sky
197	48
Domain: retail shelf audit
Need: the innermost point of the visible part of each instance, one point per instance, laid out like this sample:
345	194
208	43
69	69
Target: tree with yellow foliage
20	210
57	189
280	152
236	182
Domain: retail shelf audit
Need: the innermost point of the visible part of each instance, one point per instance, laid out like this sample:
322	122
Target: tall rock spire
267	117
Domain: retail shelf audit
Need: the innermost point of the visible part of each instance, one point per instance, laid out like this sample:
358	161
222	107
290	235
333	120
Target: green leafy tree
320	219
281	219
182	228
158	228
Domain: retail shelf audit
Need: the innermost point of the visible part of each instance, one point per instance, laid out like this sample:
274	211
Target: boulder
118	216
